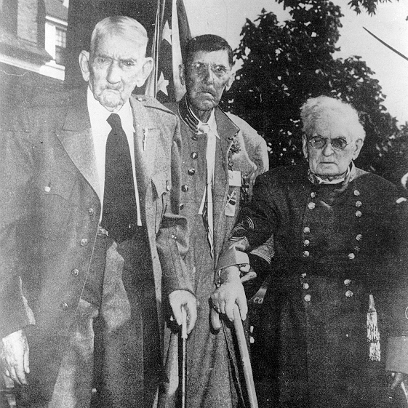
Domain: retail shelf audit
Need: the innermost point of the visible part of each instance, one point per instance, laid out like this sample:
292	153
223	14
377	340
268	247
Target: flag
171	34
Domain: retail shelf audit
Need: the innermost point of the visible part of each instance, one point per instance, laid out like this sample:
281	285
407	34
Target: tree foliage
285	64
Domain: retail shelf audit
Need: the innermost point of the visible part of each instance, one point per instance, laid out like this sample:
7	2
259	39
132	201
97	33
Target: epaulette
150	102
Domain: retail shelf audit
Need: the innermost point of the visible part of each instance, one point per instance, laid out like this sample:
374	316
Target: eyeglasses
201	68
337	143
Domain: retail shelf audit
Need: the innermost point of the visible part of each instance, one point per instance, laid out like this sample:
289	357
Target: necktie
207	208
119	214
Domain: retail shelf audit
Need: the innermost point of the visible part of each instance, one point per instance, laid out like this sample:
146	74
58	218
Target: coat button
347	282
91	211
306	254
84	242
359	214
358	204
307	298
351	255
306	230
359	237
305	286
311	206
64	306
184	188
356	193
75	272
191	172
313	194
306	242
194	155
349	293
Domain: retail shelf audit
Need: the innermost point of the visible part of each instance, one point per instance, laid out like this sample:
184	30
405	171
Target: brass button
194	155
307	298
303	275
359	214
75	272
305	286
191	172
311	206
358	204
306	230
91	211
184	188
347	282
351	256
349	293
84	242
313	194
306	242
306	254
359	237
356	193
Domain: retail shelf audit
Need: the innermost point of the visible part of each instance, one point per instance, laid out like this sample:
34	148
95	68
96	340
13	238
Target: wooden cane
184	356
246	362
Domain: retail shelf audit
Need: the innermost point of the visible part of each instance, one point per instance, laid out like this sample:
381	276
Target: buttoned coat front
337	252
50	205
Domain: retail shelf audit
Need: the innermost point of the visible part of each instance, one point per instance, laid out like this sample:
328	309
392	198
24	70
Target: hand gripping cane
246	362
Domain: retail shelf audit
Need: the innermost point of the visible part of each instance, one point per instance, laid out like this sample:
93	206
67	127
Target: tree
284	64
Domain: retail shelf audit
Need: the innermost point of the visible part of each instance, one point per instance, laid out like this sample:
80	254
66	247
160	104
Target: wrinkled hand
229	293
179	298
15	357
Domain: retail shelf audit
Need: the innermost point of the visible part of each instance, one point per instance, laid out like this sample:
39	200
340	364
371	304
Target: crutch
246	362
184	356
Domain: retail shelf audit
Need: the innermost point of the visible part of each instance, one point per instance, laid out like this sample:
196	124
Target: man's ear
230	81
359	144
144	71
182	75
304	147
84	64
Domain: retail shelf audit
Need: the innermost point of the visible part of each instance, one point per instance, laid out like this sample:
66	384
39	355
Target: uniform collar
344	180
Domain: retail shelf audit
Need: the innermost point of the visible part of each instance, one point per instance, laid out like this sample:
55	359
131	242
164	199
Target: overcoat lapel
76	137
146	135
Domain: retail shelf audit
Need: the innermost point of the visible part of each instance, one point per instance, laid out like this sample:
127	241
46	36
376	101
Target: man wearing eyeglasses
221	156
337	242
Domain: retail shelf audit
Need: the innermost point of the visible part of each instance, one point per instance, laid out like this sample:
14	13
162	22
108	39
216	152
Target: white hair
123	25
323	108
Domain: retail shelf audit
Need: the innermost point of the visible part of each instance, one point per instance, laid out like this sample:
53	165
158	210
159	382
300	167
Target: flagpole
384	43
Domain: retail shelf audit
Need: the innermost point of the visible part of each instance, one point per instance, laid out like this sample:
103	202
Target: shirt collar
190	118
99	115
344	179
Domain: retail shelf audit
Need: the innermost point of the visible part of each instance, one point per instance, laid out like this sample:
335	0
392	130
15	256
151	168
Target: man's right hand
15	357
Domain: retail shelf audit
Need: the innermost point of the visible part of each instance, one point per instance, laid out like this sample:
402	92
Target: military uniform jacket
51	209
336	251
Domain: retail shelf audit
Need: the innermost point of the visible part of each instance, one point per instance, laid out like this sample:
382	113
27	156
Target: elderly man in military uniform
221	156
337	244
87	234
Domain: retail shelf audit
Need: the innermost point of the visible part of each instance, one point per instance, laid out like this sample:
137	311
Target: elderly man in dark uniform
336	236
221	156
89	233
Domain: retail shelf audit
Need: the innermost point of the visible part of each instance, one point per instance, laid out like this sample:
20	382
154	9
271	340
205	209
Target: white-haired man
88	238
337	239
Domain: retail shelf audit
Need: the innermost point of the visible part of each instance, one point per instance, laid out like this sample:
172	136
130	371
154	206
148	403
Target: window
60	45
